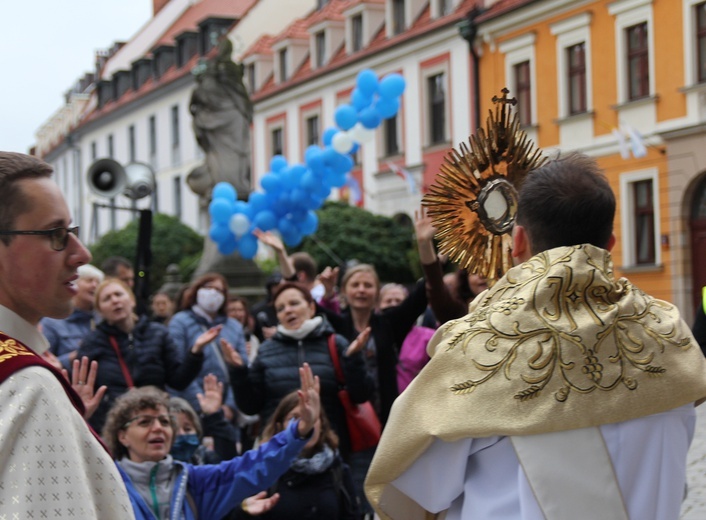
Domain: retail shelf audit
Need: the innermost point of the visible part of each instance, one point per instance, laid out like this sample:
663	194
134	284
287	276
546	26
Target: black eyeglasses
59	236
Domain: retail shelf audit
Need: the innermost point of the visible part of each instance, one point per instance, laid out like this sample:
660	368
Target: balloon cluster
292	192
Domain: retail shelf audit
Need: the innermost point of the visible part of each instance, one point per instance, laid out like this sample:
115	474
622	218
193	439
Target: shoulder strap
334	357
123	366
192	504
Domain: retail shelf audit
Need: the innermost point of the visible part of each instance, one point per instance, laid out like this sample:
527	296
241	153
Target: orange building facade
625	82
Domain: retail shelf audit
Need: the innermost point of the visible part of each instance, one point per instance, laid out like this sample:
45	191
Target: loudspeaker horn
108	178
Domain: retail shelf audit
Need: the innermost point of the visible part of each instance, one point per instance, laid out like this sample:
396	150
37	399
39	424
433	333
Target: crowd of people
208	405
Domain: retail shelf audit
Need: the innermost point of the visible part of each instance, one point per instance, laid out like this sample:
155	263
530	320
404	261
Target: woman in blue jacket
205	303
139	432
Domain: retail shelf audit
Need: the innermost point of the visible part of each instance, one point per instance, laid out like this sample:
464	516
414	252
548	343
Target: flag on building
405	175
355	195
637	143
622	143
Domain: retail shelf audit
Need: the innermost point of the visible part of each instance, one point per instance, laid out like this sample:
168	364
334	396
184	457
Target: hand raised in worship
358	343
211	399
206	338
83	380
259	504
425	230
230	355
328	278
309	400
269	239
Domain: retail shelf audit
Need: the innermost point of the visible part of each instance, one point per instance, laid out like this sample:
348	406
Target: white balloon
239	224
360	134
342	142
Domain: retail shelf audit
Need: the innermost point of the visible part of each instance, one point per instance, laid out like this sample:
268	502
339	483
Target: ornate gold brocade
540	308
10	348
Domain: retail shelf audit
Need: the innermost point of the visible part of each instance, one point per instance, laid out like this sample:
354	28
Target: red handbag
364	428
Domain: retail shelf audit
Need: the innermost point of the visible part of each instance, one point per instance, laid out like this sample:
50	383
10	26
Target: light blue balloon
370	118
310	224
346	117
265	220
271	183
387	108
258	202
247	246
314	159
292	238
367	82
392	86
220	210
224	190
285	226
278	163
309	181
328	135
219	233
228	246
360	100
240	206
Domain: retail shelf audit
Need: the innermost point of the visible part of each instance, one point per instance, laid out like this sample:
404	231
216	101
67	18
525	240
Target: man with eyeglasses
51	463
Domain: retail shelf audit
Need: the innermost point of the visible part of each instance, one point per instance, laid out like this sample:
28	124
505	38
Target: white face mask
209	300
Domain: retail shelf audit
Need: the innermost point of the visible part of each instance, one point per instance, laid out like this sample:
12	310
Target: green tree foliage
172	243
355	234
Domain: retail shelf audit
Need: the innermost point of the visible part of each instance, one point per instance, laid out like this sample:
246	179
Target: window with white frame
153	140
132	144
357	32
700	17
312	130
520	74
282	65
391	142
250	77
444	7
398	17
178	209
573	40
639	202
436	103
276	141
320	43
634	48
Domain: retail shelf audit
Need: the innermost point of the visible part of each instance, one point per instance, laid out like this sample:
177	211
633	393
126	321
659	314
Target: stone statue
222	113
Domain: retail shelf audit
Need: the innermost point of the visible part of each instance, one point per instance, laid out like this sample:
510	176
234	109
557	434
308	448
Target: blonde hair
105	283
360	268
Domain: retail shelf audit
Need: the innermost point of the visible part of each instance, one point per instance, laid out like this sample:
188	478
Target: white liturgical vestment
51	464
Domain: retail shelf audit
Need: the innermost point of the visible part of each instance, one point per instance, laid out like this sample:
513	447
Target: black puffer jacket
275	373
149	354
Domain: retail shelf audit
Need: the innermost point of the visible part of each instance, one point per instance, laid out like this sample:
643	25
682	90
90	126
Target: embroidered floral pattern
9	348
528	326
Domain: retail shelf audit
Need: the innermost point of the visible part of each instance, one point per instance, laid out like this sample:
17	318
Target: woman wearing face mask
132	351
205	304
140	431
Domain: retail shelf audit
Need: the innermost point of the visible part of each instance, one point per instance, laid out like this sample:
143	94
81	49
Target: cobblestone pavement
694	507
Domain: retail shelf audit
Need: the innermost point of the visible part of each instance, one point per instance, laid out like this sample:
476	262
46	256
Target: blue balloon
341	163
360	100
293	238
219	233
309	181
224	190
228	246
247	246
271	183
240	206
285	226
328	135
258	202
278	163
392	86
356	147
314	202
265	220
314	159
367	82
298	196
387	108
310	224
220	210
346	117
338	180
297	172
370	118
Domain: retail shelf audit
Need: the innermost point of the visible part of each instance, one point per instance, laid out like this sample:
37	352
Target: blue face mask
185	446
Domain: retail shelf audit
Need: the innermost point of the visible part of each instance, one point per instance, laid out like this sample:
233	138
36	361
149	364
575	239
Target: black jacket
275	373
389	329
149	354
326	496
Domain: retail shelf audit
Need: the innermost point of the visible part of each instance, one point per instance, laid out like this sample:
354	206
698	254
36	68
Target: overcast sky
45	46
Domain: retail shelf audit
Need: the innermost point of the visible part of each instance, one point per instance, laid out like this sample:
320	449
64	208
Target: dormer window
141	72
356	32
250	77
163	59
398	16
186	47
121	82
210	31
320	48
282	57
445	7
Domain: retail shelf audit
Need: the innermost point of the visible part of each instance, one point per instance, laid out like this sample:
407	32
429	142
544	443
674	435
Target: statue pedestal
244	276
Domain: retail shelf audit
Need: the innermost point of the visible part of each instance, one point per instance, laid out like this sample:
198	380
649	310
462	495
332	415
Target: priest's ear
611	242
521	249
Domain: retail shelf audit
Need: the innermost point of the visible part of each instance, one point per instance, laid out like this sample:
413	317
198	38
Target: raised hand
211	399
206	338
358	343
230	355
269	239
83	380
425	231
259	504
328	278
309	400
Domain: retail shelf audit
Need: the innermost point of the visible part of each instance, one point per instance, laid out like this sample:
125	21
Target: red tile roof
333	10
502	7
295	31
190	19
263	45
422	25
